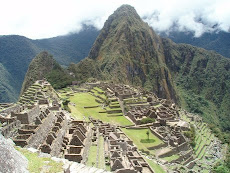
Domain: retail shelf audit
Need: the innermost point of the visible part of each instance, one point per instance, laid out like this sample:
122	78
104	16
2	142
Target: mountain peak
127	50
127	10
124	12
123	21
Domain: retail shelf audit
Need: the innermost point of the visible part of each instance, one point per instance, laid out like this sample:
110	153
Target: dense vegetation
16	53
203	81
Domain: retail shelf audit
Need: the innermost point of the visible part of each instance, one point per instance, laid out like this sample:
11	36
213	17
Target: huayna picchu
138	103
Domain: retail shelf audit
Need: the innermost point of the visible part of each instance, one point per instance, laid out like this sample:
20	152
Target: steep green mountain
128	51
44	65
217	41
16	53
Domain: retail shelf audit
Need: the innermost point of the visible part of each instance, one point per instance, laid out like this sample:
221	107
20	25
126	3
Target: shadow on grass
147	140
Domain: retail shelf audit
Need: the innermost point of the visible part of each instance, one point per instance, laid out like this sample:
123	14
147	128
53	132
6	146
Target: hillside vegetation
16	53
203	81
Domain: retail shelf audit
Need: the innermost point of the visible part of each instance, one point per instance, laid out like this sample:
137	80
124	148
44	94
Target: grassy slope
85	99
170	158
101	159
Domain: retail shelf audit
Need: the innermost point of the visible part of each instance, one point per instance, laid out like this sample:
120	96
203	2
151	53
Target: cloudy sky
48	18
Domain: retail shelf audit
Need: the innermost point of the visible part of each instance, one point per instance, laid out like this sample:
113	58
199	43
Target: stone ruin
168	125
121	154
41	123
120	91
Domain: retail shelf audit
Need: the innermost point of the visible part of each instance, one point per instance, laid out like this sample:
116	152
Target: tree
147	133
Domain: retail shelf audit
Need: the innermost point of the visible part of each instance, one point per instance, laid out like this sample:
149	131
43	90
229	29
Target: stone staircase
74	167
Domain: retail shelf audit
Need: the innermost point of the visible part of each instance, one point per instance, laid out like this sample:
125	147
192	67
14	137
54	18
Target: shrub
147	120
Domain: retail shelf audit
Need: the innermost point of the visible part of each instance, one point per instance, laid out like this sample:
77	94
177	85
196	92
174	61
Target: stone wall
57	143
158	146
156	134
42	132
15	108
183	147
6	130
170	153
27	116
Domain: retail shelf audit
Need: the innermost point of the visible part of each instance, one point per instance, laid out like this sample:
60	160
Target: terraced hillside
96	104
113	103
37	92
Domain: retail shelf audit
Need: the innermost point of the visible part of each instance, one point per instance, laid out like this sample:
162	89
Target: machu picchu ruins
120	129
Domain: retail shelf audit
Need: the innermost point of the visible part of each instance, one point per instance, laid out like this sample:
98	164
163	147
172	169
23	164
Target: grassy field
157	168
40	164
85	99
137	134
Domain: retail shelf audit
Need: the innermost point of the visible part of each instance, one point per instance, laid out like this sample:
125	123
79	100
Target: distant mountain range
216	41
16	53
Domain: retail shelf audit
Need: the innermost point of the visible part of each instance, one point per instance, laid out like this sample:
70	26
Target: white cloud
49	18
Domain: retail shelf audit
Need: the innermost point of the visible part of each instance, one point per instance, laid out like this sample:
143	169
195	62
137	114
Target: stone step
81	168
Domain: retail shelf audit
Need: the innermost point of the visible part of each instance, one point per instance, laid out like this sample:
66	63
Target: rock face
128	51
11	161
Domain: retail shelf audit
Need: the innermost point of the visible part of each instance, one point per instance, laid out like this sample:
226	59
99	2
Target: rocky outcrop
10	159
